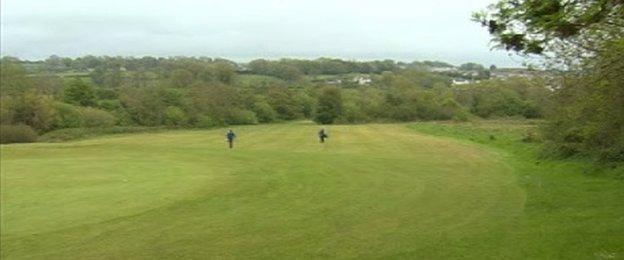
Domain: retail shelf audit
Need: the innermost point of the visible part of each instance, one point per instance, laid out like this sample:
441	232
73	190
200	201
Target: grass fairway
372	191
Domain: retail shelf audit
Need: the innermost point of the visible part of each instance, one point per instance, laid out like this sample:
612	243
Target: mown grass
372	191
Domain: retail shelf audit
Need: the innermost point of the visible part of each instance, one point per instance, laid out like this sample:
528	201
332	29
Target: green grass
574	208
373	191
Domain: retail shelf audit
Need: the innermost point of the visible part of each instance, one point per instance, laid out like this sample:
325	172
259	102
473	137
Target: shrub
17	134
115	107
7	111
77	133
264	112
105	93
110	104
206	121
36	110
174	116
461	116
352	113
144	104
93	117
79	93
448	109
532	137
123	117
241	117
68	116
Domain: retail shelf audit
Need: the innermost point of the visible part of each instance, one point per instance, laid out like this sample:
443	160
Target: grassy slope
574	210
372	191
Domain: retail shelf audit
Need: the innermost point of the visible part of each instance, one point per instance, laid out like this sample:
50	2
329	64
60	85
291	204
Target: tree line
204	92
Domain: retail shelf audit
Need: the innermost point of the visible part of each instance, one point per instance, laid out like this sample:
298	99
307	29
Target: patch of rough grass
573	207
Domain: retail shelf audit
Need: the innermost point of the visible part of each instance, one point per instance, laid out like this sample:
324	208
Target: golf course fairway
371	191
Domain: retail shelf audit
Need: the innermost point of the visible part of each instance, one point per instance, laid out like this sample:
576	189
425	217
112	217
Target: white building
362	80
460	82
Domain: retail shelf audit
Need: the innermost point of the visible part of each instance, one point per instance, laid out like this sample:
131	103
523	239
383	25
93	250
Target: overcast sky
241	30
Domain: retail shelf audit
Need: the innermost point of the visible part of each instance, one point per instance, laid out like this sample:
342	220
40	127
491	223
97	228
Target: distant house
443	69
334	81
459	81
362	80
242	68
514	72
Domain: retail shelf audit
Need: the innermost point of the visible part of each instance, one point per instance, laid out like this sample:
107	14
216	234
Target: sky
403	30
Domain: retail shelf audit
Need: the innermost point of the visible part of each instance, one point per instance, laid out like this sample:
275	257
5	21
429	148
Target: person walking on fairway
322	135
230	137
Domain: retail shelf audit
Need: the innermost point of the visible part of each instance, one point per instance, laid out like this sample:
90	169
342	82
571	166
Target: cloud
397	29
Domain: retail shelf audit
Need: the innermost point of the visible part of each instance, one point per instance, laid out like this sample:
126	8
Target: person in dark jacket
322	135
230	135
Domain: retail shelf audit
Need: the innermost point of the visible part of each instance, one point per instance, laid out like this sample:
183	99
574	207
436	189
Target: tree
587	37
471	66
69	116
224	72
570	29
214	101
36	110
13	76
113	78
54	63
78	92
98	76
283	102
329	106
264	111
181	78
145	105
174	116
588	117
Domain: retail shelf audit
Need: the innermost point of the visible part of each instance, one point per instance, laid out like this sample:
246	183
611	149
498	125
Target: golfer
322	135
230	135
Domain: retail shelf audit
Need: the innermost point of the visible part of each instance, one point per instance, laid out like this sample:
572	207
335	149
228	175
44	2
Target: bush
461	116
145	104
206	121
110	104
115	107
17	134
69	116
36	110
77	133
447	109
264	112
174	116
589	115
6	110
532	137
78	92
241	117
352	113
93	117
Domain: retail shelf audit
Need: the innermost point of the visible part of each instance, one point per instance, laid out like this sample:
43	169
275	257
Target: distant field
423	190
